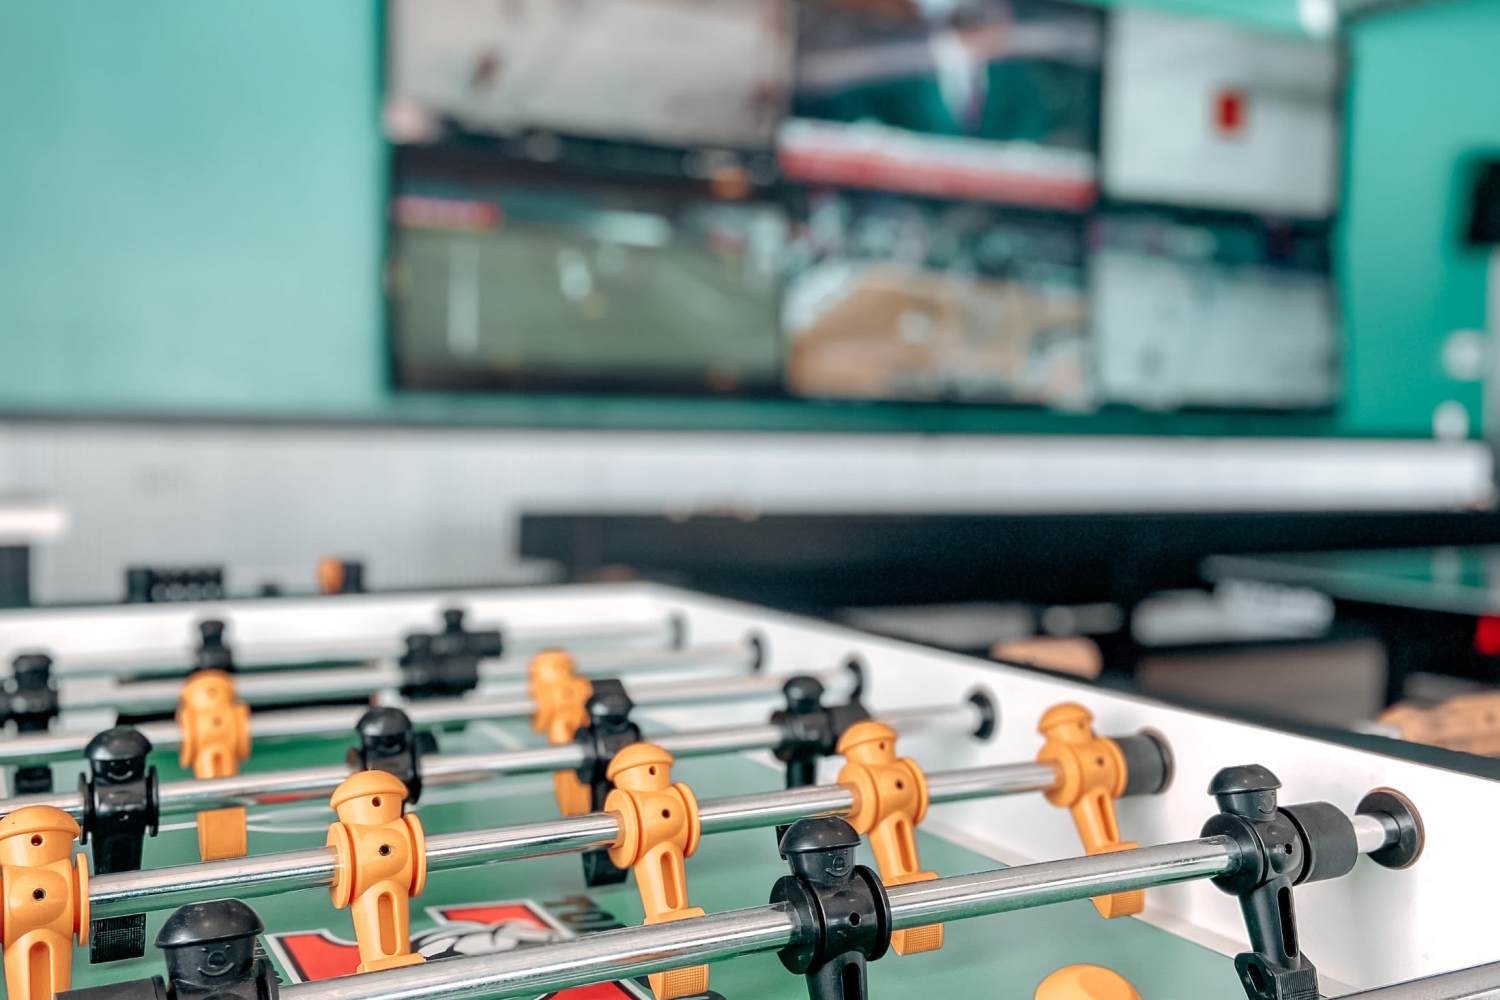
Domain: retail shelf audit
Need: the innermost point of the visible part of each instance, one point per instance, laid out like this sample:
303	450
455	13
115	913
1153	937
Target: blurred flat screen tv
1032	202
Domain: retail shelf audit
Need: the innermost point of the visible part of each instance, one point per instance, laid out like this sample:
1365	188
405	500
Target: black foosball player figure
213	653
32	705
120	808
210	953
840	911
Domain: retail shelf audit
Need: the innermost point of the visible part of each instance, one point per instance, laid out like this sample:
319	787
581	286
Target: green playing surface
1002	957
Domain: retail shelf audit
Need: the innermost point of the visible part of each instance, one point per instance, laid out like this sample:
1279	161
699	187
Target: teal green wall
190	205
191	199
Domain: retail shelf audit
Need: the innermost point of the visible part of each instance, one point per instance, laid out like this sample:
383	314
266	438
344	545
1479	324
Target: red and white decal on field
457	931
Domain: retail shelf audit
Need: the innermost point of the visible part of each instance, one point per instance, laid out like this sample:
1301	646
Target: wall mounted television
1029	202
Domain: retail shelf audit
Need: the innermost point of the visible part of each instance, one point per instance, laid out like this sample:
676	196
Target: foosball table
635	791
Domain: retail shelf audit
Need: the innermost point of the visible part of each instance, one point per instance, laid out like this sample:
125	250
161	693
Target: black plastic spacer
989	713
1401	819
389	742
1149	764
840	912
1329	846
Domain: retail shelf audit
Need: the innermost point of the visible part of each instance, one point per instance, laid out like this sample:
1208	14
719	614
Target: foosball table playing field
635	791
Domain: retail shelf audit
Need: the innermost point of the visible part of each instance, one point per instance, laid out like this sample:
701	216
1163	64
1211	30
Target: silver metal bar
249	877
1479	983
740	654
664	632
131	892
40	747
620	954
633	951
267	656
988	782
964	715
597	958
1025	886
286	687
289	687
1372	833
301	784
839	682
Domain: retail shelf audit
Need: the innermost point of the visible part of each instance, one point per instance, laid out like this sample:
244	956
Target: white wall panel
430	506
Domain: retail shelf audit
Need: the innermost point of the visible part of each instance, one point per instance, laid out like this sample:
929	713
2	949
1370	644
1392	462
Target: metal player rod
171	660
301	784
268	874
635	951
289	687
839	682
1479	983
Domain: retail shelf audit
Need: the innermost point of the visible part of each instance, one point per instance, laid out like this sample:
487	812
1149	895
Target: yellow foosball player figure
382	864
659	827
44	901
215	740
890	799
1092	774
561	696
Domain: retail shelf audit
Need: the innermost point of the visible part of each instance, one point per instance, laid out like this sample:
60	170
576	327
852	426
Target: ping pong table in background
1434	609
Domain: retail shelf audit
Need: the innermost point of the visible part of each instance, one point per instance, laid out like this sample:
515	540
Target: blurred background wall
269	234
157	265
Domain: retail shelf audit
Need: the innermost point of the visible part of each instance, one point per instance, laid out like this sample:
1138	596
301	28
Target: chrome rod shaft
741	654
130	892
286	687
1479	983
249	877
289	687
301	784
633	951
323	722
175	660
663	632
1025	886
597	958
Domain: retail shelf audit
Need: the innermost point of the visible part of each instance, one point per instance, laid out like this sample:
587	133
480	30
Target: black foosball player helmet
209	950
